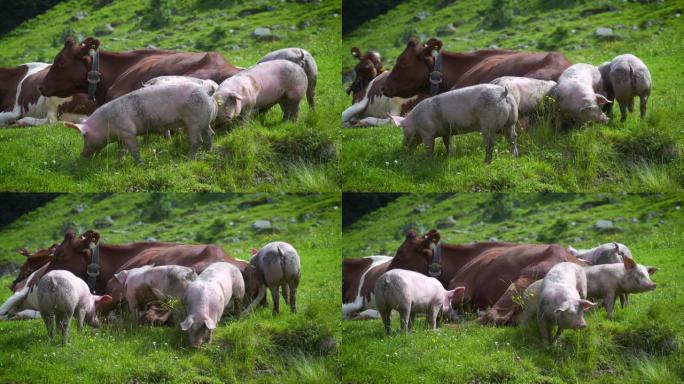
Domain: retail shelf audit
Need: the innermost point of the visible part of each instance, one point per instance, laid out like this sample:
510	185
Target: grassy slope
290	348
266	155
617	157
641	345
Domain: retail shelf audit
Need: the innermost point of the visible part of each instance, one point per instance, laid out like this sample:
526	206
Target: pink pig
257	89
205	299
579	95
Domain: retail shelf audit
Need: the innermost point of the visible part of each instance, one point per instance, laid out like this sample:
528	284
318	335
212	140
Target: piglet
205	299
626	77
608	253
257	89
410	292
486	108
562	300
300	57
62	295
209	85
153	109
608	281
528	93
579	96
147	284
278	265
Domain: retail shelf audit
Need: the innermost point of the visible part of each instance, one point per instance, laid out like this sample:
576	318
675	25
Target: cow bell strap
93	270
436	75
94	75
435	268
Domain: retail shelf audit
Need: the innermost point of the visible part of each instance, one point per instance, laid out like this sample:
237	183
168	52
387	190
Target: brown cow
367	69
494	273
357	301
415	65
75	254
123	72
21	102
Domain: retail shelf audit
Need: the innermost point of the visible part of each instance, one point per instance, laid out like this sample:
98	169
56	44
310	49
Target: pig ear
79	127
235	96
457	295
628	263
586	304
601	100
210	324
397	120
103	299
187	323
652	270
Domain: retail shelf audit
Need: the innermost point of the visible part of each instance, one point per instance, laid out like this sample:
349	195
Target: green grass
300	348
636	155
643	343
262	155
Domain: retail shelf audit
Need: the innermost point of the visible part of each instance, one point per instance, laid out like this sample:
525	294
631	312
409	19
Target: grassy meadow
643	343
301	348
262	155
637	155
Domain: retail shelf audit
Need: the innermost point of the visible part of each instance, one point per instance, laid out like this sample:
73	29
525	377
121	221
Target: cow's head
69	70
367	69
415	253
33	262
410	75
73	254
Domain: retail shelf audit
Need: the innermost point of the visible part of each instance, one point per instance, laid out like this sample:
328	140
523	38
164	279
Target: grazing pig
488	108
562	300
146	284
626	77
305	60
153	109
528	93
578	95
608	281
530	299
410	292
608	253
278	265
62	295
257	89
205	299
209	86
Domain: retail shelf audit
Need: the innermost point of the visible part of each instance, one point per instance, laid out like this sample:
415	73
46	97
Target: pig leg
208	138
623	109
285	292
131	142
609	302
80	318
512	140
630	104
276	300
544	329
290	109
63	324
643	99
488	137
432	317
624	300
447	143
194	141
49	319
404	314
429	146
557	335
293	297
385	314
412	320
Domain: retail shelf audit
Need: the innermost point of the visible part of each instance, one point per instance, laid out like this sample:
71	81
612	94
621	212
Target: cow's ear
433	236
410	234
356	52
91	43
91	236
187	323
433	45
412	43
69	42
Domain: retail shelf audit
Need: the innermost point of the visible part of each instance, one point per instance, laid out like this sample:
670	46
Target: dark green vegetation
635	155
261	155
643	344
300	348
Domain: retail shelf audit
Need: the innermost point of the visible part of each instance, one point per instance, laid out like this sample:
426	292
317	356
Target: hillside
263	154
636	155
260	348
642	344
